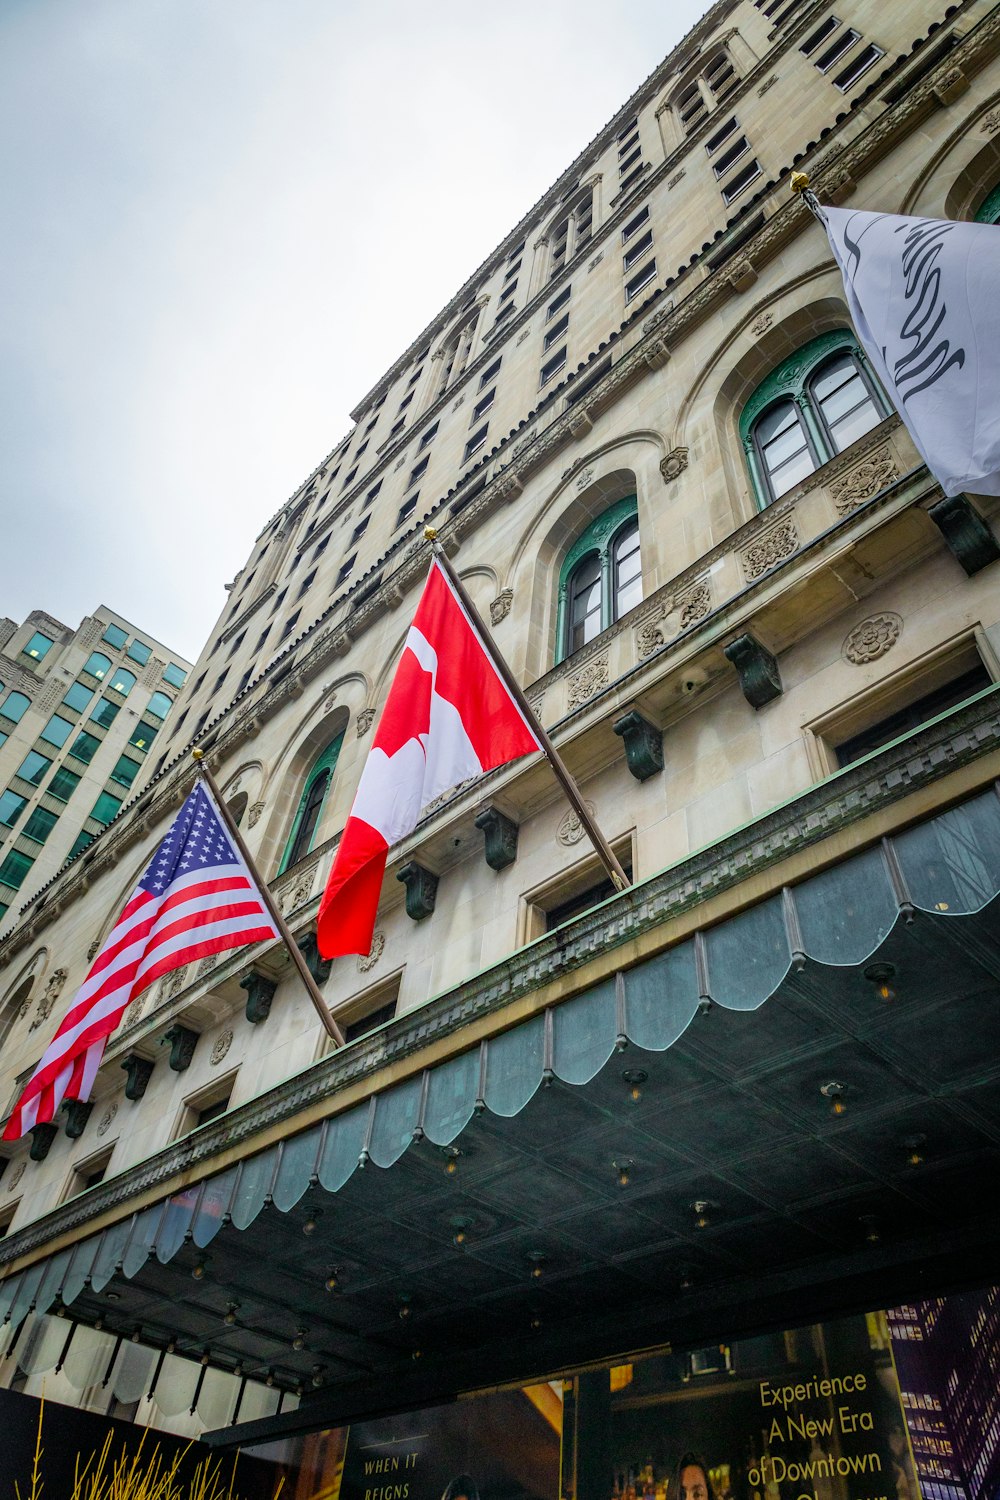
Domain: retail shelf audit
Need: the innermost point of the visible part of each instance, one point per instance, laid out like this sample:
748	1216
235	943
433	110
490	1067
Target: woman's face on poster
694	1485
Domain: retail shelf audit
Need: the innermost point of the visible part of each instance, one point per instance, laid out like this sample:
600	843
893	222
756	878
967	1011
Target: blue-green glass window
39	646
77	697
988	211
125	771
139	652
34	767
160	705
15	867
97	664
104	713
106	807
122	681
115	636
11	808
3	737
142	735
812	407
314	792
174	674
15	706
40	824
601	577
63	784
80	843
57	731
85	747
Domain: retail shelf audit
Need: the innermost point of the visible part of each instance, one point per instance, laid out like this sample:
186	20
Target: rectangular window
368	1021
290	625
722	134
512	270
629	162
115	636
482	407
913	715
34	768
489	374
631	140
557	303
347	568
78	695
57	731
85	747
638	250
124	773
508	292
361	449
743	179
632	179
406	511
396	429
174	674
416	375
348	478
516	250
143	735
503	312
104	713
417	471
405	401
63	784
237	643
15	868
38	647
475	442
429	435
106	807
642	217
633	124
556	332
307	582
11	808
321	547
641	278
371	494
731	156
864	60
140	652
80	843
40	825
552	366
818	37
835	52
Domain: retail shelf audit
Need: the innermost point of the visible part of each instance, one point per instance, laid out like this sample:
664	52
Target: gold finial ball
799	182
197	755
430	532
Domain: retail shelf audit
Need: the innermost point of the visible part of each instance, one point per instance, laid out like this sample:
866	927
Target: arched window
160	705
812	407
237	807
18	1001
317	784
122	680
601	577
97	664
15	706
988	211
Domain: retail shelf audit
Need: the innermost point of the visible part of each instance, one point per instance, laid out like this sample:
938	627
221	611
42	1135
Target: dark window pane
142	735
40	824
105	712
125	771
15	867
57	731
309	816
106	807
85	747
34	767
77	697
63	784
115	636
11	808
913	715
366	1023
80	843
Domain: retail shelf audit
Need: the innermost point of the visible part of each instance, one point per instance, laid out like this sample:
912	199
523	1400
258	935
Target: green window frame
34	767
105	713
57	731
105	808
315	790
12	805
139	651
78	696
15	707
174	674
38	647
596	545
122	681
39	825
143	734
15	867
115	636
85	747
792	382
988	211
97	665
80	843
63	784
125	771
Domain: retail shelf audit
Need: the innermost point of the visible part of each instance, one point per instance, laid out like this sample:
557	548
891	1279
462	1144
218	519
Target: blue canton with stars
196	841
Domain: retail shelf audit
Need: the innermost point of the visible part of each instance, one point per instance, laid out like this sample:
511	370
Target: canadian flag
449	716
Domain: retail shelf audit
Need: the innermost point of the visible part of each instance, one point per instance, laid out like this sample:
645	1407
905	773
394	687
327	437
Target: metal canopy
798	1142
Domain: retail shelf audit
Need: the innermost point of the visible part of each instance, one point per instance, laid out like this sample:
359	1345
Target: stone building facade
766	646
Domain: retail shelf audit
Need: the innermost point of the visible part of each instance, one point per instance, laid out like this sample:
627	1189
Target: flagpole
294	951
565	778
800	184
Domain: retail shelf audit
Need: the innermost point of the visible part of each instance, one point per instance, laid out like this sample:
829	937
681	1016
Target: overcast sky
222	220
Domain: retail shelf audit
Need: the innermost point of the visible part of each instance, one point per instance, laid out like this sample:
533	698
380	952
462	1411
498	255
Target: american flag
196	897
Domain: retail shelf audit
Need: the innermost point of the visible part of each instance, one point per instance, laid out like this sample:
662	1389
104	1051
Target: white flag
924	295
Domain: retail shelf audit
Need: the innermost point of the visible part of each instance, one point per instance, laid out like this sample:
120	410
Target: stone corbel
580	422
421	890
182	1041
138	1071
318	966
500	834
673	466
951	87
656	355
77	1114
42	1137
741	276
643	744
757	669
966	534
260	992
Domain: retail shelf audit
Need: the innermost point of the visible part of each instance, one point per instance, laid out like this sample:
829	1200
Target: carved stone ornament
596	261
318	966
77	1114
182	1041
302	889
500	606
134	1011
500	835
695	604
106	1120
767	84
524	334
951	87
756	668
675	179
991	122
175	982
221	1046
92	951
583	478
16	1175
46	1001
535	704
207	964
368	961
673	466
872	638
571	830
588	681
863	481
650	635
421	890
253	816
365	720
741	275
761	324
769	549
24	1007
42	1137
260	993
137	1075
